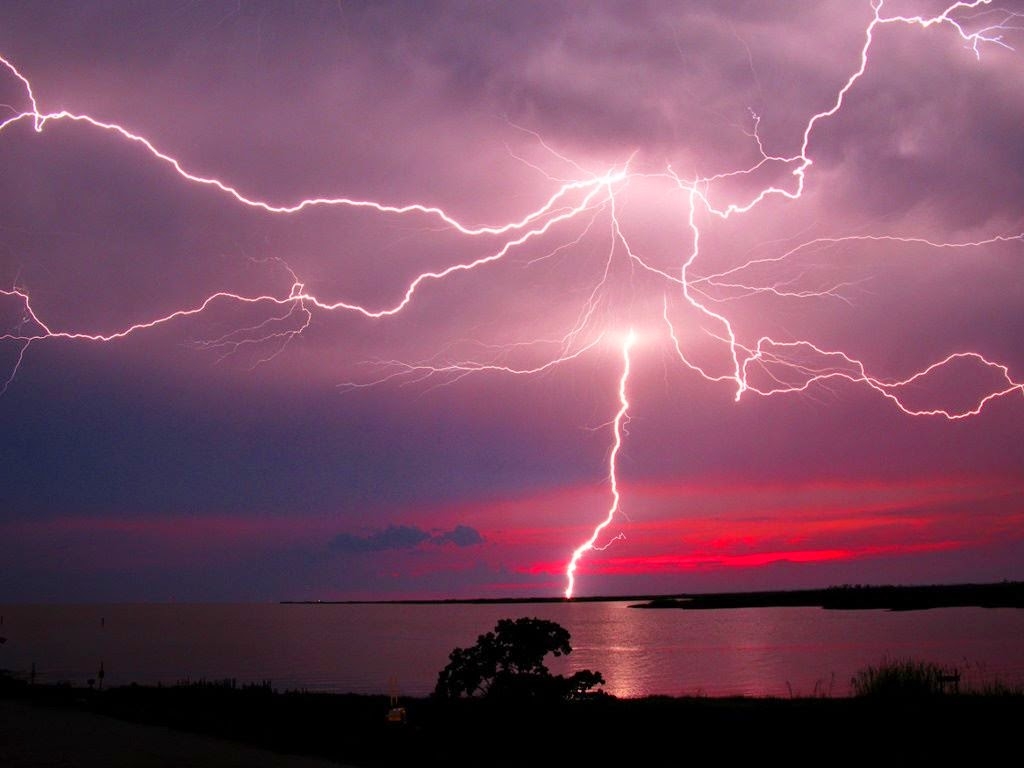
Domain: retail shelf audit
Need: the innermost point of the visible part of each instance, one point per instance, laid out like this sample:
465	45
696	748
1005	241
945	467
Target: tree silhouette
509	663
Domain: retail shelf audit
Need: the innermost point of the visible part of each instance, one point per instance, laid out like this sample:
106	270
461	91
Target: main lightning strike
618	428
765	367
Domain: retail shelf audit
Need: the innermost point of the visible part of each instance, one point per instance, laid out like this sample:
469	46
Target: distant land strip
487	600
1004	594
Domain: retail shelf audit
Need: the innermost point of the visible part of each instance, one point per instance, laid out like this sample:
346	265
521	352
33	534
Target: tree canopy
509	662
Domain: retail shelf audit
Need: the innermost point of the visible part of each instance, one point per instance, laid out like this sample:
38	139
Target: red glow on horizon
668	564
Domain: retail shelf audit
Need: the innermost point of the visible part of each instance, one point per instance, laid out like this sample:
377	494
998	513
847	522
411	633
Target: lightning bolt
618	428
763	366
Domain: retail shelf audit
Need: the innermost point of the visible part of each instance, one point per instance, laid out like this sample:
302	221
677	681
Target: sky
333	300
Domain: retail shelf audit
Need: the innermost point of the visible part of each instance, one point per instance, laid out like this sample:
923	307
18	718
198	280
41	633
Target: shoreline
1008	594
253	725
1003	594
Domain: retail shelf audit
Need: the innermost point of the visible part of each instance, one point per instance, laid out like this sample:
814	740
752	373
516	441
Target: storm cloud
397	537
261	441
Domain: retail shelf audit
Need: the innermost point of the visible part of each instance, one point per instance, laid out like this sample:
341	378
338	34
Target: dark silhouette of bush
509	663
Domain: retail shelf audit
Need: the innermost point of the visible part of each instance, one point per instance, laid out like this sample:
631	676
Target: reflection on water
359	648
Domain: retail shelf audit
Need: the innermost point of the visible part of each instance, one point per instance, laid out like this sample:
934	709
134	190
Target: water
401	648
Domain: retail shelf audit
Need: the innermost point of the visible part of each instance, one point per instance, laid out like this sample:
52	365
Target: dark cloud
460	536
397	537
392	537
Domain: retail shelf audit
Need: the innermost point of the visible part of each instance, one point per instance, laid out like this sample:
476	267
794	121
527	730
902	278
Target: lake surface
401	648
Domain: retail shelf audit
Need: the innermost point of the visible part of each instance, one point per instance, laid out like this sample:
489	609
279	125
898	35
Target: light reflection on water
361	648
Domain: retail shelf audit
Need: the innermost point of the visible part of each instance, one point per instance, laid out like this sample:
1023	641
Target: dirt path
35	736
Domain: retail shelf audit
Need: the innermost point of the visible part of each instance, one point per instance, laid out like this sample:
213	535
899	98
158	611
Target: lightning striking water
570	213
618	428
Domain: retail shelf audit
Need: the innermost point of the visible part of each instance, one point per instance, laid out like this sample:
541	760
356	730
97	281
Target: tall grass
905	678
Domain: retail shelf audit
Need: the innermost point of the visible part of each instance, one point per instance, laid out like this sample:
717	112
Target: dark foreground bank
34	736
602	730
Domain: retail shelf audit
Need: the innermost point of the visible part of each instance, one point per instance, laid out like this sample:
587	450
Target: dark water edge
1006	594
352	729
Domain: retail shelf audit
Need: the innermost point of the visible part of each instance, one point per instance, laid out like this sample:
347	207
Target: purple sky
233	454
